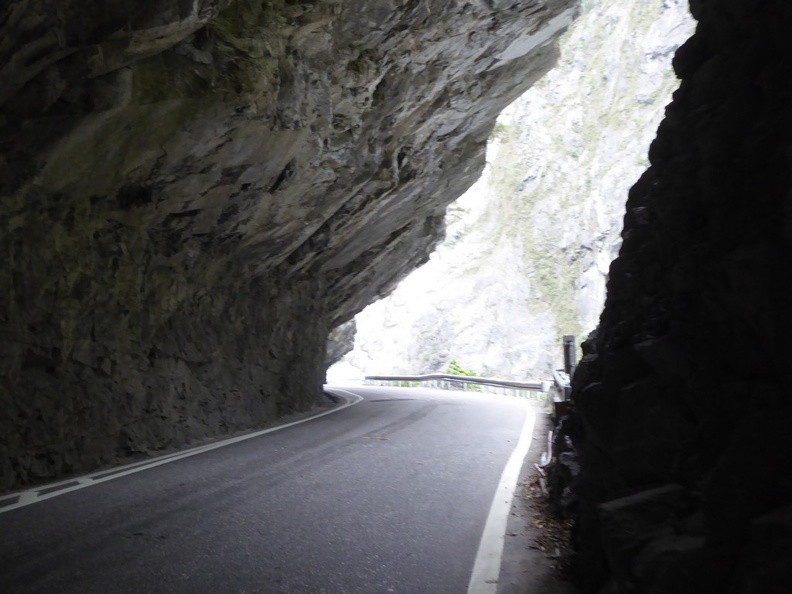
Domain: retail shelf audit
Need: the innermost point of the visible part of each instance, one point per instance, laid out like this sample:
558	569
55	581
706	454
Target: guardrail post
569	355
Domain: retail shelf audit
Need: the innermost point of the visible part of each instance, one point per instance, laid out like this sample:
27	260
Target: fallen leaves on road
553	536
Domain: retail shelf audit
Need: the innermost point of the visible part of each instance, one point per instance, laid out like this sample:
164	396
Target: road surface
389	495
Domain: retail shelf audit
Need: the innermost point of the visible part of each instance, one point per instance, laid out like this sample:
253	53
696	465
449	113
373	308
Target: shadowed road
388	495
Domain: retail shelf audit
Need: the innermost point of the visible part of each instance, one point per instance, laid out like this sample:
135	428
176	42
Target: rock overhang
194	193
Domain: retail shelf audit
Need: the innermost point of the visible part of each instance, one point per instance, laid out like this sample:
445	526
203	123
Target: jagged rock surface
340	341
528	246
194	193
682	401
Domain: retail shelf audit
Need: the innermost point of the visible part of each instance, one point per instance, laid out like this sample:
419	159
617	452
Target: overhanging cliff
194	193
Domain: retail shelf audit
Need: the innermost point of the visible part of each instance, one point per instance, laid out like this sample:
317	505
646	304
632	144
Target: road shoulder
537	548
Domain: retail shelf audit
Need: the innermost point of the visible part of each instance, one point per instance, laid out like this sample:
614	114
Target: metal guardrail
451	382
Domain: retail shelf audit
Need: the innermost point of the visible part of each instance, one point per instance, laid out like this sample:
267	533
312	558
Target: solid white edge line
486	569
31	496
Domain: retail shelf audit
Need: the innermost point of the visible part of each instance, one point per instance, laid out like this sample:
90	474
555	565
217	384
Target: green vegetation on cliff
553	276
564	155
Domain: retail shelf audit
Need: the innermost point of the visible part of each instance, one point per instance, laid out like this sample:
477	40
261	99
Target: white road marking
486	569
31	496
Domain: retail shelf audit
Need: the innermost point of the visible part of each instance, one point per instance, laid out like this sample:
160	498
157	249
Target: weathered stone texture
192	194
684	389
340	341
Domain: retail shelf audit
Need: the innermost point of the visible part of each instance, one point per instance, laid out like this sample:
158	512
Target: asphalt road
388	495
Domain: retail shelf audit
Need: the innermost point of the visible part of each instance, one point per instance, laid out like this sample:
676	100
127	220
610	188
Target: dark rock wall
193	194
682	402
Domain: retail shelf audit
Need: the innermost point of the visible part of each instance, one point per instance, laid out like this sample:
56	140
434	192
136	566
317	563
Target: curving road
389	495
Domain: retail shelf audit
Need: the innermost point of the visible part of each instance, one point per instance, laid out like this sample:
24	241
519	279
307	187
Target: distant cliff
528	247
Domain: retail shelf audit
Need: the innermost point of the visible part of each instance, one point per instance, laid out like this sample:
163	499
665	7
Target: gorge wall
681	402
193	194
528	247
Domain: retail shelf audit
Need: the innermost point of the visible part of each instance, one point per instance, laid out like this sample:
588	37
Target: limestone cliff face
194	193
528	247
682	401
